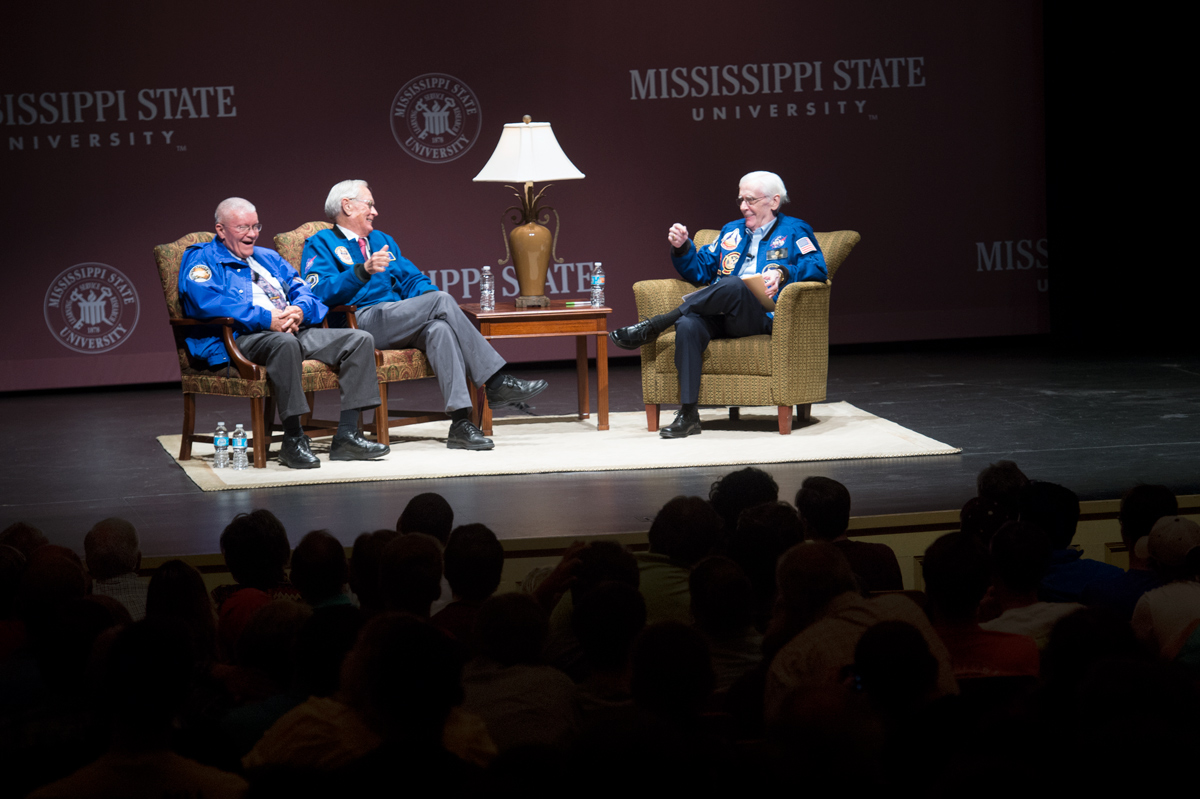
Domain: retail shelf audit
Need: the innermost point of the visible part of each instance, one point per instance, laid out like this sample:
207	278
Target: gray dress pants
351	353
434	324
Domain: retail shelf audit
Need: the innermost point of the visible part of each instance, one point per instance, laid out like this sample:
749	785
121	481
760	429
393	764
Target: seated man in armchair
783	249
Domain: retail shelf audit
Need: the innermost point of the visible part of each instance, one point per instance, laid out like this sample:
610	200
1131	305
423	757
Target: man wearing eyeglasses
355	264
782	249
277	322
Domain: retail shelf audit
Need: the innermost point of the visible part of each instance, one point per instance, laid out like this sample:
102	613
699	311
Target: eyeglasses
750	200
244	229
364	202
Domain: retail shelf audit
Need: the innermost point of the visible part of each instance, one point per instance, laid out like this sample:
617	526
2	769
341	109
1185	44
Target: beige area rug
531	445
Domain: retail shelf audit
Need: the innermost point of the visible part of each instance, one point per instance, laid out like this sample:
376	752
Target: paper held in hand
759	289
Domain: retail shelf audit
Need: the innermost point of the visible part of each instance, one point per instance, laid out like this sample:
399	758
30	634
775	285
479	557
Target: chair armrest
351	312
800	339
247	369
656	297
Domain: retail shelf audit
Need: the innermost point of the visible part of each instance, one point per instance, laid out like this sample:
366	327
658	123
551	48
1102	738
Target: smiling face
359	214
758	209
239	230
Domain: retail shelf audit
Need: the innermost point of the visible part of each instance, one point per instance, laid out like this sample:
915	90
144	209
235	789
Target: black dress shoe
685	424
508	390
464	435
634	336
353	447
295	453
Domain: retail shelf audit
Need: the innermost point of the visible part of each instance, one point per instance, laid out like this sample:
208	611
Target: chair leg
258	430
735	413
804	412
652	418
785	420
382	433
189	426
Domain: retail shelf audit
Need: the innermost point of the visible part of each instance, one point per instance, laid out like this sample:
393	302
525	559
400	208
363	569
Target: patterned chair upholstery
392	366
787	368
241	379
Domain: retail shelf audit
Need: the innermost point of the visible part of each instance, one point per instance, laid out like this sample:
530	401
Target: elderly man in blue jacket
354	264
277	322
782	249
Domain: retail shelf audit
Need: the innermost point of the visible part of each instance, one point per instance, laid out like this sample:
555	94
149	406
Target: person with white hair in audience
113	558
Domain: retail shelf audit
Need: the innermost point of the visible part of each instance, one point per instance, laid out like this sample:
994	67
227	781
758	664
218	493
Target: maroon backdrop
918	124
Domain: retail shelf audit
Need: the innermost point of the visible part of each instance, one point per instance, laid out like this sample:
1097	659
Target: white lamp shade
528	151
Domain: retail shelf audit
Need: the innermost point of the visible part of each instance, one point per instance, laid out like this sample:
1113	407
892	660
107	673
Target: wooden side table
508	321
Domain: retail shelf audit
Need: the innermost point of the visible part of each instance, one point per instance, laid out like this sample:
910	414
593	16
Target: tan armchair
787	368
391	366
240	379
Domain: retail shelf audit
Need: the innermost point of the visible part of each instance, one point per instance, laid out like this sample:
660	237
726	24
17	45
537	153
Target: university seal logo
435	118
91	308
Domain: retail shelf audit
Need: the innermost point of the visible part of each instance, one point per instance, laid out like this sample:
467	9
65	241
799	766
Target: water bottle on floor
238	443
221	447
487	290
597	285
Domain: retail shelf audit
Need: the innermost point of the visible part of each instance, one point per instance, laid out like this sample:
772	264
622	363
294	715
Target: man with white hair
780	248
277	325
113	557
354	264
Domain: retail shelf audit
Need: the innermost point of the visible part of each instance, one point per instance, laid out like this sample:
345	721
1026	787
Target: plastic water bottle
238	443
597	285
221	447
487	290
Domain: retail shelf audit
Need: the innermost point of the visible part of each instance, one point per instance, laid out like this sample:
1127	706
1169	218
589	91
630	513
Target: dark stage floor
1098	423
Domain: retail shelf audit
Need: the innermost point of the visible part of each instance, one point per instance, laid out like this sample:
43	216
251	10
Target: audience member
319	570
684	530
176	595
822	609
824	504
24	538
1165	617
764	532
1054	509
113	559
672	672
365	561
427	513
1141	507
739	490
606	621
410	575
1020	554
256	550
981	517
957	573
474	560
723	610
1001	483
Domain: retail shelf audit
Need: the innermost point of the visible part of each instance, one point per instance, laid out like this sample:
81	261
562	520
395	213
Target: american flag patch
806	246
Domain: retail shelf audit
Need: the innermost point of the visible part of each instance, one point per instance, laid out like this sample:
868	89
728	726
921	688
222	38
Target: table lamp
527	153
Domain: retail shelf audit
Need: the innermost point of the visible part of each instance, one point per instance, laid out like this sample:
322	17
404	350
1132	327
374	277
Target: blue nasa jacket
333	270
789	244
213	282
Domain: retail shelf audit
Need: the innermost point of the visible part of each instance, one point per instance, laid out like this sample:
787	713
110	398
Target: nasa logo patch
778	241
344	256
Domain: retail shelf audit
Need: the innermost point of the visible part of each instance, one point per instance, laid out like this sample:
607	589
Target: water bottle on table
597	285
487	290
238	444
221	447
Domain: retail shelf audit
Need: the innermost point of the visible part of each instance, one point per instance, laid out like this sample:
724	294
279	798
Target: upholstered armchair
786	369
392	366
239	378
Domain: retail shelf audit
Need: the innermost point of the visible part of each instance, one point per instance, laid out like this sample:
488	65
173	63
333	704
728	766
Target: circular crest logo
436	118
91	308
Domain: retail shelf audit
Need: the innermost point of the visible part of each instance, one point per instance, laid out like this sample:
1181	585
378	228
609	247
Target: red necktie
362	245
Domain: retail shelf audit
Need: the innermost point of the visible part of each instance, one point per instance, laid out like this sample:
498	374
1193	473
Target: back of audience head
685	530
983	516
319	569
606	621
739	490
474	560
895	667
1053	508
1141	507
111	549
957	572
65	646
404	676
511	629
410	576
268	643
1020	554
600	562
322	645
177	596
722	597
23	537
824	504
256	549
1172	549
672	671
427	513
53	575
365	561
1002	482
1083	638
810	575
764	532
